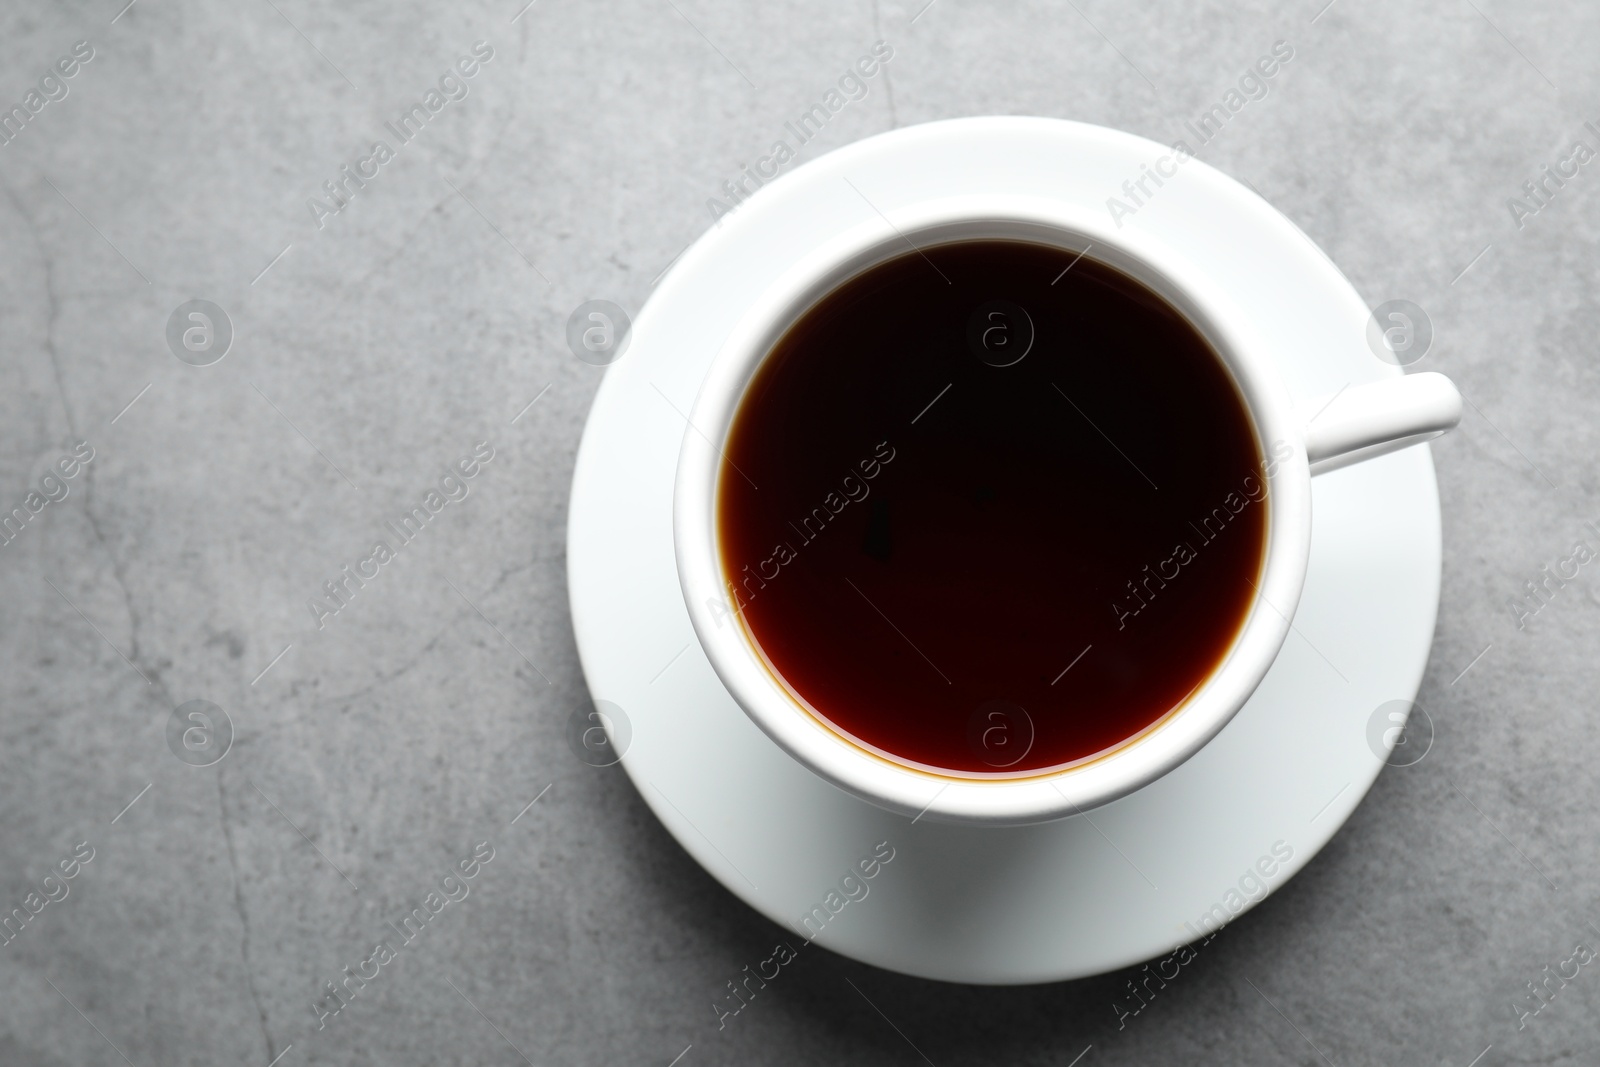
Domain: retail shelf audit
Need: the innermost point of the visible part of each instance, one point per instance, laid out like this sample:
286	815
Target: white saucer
1131	880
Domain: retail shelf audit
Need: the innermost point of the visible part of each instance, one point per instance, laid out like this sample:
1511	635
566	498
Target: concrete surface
419	720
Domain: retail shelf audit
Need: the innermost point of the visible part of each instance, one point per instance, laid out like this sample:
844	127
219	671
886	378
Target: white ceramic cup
1358	423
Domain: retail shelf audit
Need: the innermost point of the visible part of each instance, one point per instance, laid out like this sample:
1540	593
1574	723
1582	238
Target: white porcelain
1075	896
1359	423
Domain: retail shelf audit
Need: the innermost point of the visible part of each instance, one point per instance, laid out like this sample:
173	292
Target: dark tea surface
992	508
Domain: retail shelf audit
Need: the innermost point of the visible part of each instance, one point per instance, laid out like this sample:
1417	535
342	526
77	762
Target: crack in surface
52	352
434	164
119	572
415	659
361	284
50	299
244	919
384	679
888	86
505	573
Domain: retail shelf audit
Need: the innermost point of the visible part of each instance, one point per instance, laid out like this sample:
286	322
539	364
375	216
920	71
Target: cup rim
935	793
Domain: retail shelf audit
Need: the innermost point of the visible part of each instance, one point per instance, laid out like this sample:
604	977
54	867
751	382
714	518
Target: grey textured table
375	345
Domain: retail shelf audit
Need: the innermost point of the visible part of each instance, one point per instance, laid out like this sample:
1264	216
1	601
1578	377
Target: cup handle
1363	421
